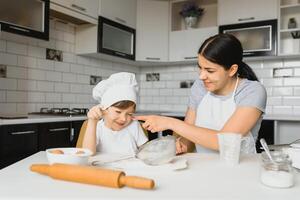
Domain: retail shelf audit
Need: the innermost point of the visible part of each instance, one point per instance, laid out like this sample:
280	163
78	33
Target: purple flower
191	9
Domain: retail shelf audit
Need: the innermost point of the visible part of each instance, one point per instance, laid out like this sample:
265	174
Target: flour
280	179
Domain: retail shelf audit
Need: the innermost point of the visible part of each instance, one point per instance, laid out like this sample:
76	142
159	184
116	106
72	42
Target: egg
57	151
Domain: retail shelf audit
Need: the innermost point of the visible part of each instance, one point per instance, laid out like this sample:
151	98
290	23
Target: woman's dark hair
124	104
226	50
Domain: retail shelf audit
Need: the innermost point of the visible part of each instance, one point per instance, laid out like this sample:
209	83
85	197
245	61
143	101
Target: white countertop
47	118
32	119
206	178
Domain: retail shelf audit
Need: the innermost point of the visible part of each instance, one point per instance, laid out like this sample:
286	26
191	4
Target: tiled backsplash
32	81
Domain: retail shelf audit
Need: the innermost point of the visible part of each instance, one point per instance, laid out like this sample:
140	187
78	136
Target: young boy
110	128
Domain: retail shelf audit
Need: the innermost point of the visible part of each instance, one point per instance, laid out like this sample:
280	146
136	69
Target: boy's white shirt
125	141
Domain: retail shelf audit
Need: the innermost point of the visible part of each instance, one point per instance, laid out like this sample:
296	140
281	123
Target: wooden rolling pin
92	175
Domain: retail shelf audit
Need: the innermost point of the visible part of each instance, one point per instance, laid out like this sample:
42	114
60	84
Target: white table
206	178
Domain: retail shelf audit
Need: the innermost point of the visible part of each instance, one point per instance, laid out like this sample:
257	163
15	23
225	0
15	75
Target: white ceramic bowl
78	156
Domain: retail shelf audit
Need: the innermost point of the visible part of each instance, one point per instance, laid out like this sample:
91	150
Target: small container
278	174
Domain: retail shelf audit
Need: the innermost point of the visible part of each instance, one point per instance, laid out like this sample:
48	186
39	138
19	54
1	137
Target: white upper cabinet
152	30
83	10
241	11
121	11
184	42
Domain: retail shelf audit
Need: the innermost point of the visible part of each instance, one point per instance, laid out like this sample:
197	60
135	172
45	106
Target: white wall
33	81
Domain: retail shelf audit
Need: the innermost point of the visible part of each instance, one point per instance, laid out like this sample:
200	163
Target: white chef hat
118	87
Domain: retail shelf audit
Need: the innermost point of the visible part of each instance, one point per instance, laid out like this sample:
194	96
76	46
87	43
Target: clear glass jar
277	174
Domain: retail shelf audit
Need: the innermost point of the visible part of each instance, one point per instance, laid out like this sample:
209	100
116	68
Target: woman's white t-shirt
125	141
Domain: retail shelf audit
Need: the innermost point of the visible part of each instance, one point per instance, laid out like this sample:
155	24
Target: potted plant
191	12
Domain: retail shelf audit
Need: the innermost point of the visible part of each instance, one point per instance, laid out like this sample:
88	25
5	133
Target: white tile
165	92
61	26
45	86
55	34
271	101
76	88
264	73
90	70
8	59
179	107
69	98
35	97
14	96
166	77
75	68
83	60
37	52
54	76
296	91
181	92
16	72
297	71
159	84
45	64
184	100
159	100
61	87
27	61
82	98
16	48
292	63
282	91
2	96
282	110
172	84
145	100
181	76
62	46
8	107
53	97
2	45
272	82
146	85
83	79
272	63
69	57
35	74
61	67
165	107
269	110
255	64
26	85
296	110
8	84
152	92
25	107
269	91
69	78
47	44
87	89
292	81
291	101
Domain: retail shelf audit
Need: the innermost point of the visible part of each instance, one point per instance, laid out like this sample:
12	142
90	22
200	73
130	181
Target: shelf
208	19
290	6
289	30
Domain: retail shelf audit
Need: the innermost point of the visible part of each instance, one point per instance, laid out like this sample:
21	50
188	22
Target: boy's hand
95	113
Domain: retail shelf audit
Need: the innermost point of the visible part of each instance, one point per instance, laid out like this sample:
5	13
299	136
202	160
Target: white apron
214	112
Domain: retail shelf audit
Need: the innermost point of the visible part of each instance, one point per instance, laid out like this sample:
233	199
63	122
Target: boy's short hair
124	104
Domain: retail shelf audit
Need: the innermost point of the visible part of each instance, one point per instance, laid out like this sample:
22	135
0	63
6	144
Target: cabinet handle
152	58
58	129
22	132
120	20
19	29
72	134
78	7
190	57
246	19
121	54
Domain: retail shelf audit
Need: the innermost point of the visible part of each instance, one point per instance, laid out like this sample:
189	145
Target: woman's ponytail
244	71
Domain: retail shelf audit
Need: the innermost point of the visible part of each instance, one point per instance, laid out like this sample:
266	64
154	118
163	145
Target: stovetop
62	111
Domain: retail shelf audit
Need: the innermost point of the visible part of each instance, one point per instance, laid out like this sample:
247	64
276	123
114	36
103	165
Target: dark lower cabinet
53	135
17	142
20	141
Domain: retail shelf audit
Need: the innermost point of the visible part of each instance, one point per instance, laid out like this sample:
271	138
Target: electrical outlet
95	79
3	71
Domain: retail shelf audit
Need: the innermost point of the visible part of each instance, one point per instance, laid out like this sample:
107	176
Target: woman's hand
154	123
95	113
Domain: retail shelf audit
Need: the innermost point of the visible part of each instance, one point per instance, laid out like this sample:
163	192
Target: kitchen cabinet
76	11
152	30
266	131
289	35
17	142
75	130
184	43
241	11
54	135
121	11
29	18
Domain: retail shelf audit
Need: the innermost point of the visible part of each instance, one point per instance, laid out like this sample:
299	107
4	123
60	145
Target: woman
227	97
